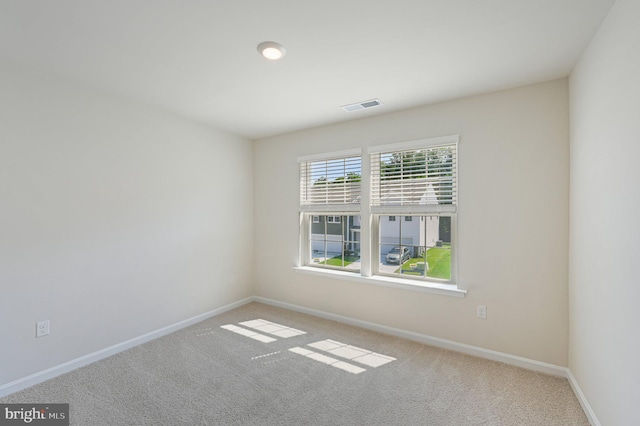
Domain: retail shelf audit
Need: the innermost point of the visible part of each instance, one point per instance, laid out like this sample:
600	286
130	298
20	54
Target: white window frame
333	213
412	207
370	252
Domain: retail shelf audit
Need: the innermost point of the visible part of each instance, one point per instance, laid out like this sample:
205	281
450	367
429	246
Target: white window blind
415	180
331	184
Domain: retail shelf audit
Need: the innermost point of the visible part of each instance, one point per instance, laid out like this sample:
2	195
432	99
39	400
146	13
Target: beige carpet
294	369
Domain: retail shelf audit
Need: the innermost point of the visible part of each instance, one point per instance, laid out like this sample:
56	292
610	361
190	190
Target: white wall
512	224
115	220
604	281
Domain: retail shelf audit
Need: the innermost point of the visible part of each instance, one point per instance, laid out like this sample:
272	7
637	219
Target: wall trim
588	411
529	364
50	373
517	361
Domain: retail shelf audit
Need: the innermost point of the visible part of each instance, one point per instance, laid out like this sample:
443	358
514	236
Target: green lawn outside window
438	259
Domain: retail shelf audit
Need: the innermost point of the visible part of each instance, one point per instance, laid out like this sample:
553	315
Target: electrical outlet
42	328
482	312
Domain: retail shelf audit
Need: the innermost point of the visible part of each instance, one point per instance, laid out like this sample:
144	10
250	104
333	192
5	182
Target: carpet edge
582	399
49	373
517	361
529	364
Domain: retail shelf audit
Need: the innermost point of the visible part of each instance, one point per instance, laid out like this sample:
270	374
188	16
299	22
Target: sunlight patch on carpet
353	353
328	360
248	333
269	327
331	348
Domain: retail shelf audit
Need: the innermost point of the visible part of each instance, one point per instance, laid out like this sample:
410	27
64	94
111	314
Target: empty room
330	213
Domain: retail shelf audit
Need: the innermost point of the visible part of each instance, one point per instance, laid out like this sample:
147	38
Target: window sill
404	284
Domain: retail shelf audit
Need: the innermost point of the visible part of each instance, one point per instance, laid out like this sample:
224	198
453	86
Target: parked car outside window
394	255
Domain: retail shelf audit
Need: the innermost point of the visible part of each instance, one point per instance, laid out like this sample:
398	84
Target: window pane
335	242
415	177
419	247
333	182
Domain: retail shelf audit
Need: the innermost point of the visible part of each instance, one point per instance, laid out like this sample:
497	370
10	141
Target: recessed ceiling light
271	50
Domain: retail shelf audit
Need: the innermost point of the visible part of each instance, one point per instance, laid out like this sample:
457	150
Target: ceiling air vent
362	105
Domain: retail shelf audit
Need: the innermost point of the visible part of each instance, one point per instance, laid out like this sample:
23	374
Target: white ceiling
198	58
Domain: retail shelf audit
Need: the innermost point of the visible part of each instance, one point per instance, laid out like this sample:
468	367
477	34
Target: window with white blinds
420	179
407	231
331	184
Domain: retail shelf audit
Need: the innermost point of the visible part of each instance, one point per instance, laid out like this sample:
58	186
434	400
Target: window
420	180
331	185
330	189
416	181
425	247
336	244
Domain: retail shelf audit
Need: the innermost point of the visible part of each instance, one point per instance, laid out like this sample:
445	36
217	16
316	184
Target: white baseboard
52	372
529	364
588	411
517	361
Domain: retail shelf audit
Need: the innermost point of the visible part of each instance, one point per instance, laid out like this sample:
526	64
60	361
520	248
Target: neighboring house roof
418	191
334	193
